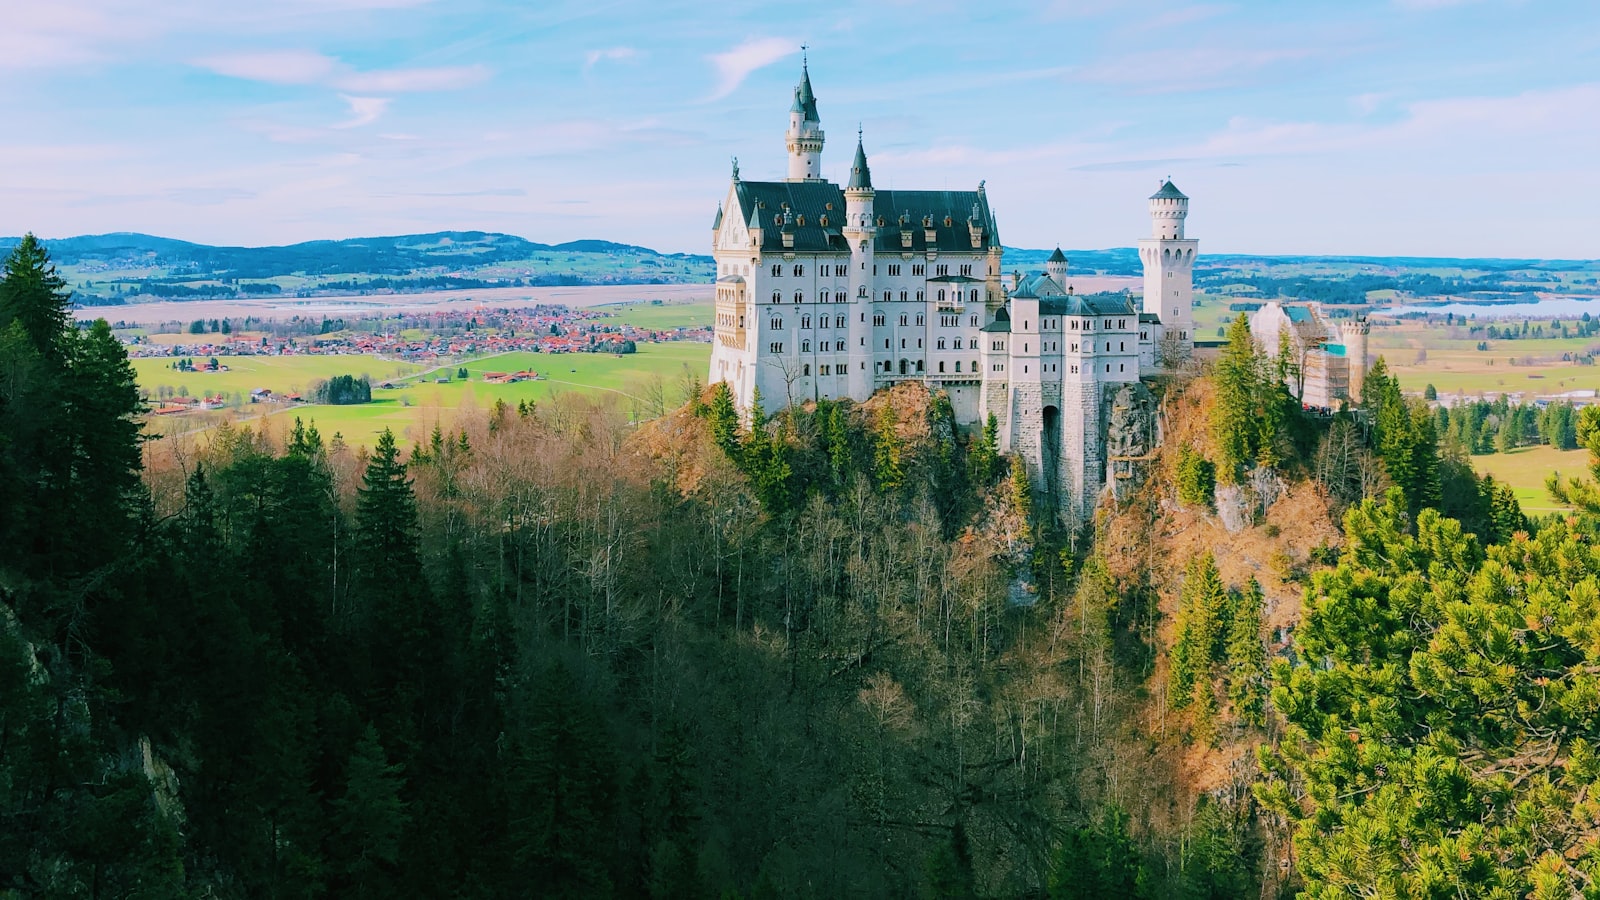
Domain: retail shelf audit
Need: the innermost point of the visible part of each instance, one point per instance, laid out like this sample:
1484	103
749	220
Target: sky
1376	127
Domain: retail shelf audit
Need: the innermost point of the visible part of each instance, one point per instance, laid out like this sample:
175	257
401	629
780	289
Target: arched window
958	365
919	365
824	298
941	295
862	291
805	369
798	296
974	295
919	296
904	367
888	295
941	367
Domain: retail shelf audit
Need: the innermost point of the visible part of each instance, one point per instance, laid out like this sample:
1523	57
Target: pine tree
34	295
886	451
1099	861
368	821
1201	626
724	418
1233	415
950	872
984	456
1246	655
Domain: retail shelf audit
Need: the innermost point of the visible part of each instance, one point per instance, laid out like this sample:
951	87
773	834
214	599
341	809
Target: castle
1329	360
825	292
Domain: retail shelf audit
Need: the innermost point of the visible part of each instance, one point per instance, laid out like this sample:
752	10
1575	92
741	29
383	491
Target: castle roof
805	102
860	175
1058	256
1087	305
1001	323
1169	191
761	203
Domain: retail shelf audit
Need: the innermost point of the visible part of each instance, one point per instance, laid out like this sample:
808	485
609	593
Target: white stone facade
829	292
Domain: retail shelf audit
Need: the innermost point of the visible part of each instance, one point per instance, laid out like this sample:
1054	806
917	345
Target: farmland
1526	469
417	402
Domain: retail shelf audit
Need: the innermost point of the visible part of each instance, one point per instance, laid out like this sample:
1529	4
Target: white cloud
364	110
272	66
734	66
610	53
404	81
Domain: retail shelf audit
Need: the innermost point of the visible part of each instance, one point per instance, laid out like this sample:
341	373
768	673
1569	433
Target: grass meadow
1526	469
416	403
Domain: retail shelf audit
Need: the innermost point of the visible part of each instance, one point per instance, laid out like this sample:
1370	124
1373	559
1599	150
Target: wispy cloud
364	110
309	67
406	81
734	66
594	57
272	66
1200	68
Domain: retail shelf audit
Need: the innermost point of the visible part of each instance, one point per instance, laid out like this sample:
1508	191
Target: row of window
838	270
888	296
907	367
822	346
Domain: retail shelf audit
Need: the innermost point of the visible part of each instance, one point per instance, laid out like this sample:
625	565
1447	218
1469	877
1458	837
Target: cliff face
1148	542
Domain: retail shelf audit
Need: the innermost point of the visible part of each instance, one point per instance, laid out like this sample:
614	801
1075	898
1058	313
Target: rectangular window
877	319
894	270
919	270
775	347
777	270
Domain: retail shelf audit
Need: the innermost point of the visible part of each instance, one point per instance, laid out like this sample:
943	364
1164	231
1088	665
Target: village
410	337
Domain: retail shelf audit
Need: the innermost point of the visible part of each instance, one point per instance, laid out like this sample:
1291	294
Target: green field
281	374
1526	469
661	315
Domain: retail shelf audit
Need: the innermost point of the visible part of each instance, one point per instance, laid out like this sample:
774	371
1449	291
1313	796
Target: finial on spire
805	56
736	168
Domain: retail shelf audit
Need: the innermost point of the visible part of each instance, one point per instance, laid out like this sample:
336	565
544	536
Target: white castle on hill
826	292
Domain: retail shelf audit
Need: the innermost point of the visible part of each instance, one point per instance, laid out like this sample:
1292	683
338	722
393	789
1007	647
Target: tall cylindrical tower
1355	353
1168	259
804	139
860	232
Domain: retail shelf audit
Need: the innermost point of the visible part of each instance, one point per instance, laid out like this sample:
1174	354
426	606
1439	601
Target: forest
843	650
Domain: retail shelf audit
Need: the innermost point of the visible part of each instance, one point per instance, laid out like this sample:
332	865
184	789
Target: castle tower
860	232
1056	267
1355	354
1168	259
804	138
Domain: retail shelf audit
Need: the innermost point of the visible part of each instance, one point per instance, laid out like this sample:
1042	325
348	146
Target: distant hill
114	268
126	267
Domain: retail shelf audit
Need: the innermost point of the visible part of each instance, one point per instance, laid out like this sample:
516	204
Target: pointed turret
1056	265
804	139
860	175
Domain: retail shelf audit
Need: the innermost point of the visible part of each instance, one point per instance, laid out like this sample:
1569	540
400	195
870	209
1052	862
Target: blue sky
1399	127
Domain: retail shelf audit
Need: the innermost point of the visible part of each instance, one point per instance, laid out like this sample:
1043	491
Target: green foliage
368	821
724	418
343	390
1197	478
1203	607
34	295
1405	437
1439	684
887	452
1252	410
950	875
1099	861
984	455
1247	655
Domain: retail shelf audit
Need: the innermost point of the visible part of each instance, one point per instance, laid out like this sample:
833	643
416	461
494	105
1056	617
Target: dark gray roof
1001	323
860	175
1149	318
1079	305
762	203
805	102
918	207
1169	191
1058	256
718	223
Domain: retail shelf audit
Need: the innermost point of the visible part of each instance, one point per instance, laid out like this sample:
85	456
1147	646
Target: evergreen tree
1233	423
368	821
886	450
1099	861
724	418
1247	655
950	872
35	296
984	457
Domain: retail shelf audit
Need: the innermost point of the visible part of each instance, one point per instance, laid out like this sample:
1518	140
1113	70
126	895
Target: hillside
124	267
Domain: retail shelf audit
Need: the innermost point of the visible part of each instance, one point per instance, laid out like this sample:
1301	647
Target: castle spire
804	139
860	175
